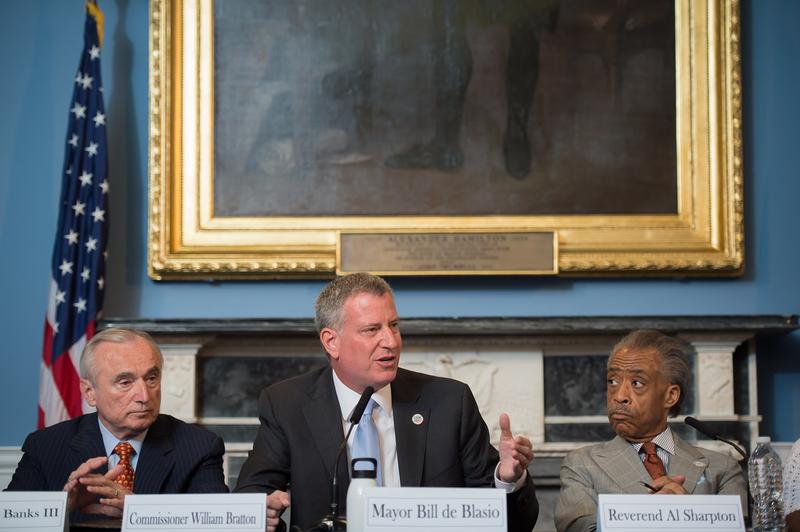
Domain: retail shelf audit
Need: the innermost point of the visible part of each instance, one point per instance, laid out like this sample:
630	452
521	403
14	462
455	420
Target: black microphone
333	521
361	405
706	430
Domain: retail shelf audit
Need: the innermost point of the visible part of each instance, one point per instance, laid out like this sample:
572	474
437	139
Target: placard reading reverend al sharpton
44	511
195	512
669	513
439	509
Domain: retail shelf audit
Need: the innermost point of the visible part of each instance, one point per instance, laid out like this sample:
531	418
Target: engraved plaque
474	253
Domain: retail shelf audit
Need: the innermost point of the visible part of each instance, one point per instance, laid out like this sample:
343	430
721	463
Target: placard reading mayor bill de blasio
439	509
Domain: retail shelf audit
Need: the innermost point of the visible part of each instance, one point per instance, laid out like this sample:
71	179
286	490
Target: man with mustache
127	446
426	431
647	379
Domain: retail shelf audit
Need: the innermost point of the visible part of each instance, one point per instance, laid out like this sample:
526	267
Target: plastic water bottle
766	486
360	479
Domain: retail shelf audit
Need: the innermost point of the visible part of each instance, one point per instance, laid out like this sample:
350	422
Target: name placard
33	510
443	509
206	512
669	512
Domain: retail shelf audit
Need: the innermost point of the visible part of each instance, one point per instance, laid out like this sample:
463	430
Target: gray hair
673	352
113	336
333	297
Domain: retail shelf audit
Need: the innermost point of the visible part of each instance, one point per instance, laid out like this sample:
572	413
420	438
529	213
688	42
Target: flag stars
78	110
94	52
101	283
85	178
66	267
85	81
79	208
55	328
73	141
104	186
80	305
91	149
91	244
99	119
61	297
72	237
86	273
99	215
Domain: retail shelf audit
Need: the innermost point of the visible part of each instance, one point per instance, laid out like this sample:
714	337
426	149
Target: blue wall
41	42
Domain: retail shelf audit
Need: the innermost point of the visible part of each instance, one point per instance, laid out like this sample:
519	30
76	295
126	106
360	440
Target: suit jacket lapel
410	438
324	418
87	443
156	460
622	465
688	461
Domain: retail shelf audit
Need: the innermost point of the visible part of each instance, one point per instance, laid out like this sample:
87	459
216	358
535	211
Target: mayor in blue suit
121	378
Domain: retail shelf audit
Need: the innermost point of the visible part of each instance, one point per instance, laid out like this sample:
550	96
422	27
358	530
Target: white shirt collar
348	398
110	441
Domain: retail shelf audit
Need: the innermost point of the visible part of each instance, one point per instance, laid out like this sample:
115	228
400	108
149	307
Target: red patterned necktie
125	451
652	462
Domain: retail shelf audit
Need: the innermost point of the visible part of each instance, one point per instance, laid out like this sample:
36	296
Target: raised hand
515	452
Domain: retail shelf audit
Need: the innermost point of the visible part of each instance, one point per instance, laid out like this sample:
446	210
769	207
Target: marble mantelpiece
547	373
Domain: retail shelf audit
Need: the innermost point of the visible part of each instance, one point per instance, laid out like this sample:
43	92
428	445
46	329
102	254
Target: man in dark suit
126	446
429	429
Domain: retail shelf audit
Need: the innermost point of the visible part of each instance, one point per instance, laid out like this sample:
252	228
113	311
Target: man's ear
330	342
672	395
87	391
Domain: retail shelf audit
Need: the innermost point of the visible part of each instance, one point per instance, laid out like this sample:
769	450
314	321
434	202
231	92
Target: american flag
79	254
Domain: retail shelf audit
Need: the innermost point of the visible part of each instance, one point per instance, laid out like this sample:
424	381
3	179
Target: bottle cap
364	473
763	439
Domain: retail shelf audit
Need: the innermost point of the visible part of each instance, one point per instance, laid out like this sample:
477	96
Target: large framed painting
276	126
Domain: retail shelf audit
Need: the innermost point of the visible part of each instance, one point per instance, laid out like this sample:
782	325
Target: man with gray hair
647	380
125	447
420	430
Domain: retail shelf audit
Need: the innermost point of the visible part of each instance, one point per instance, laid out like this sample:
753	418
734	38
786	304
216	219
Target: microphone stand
334	522
707	431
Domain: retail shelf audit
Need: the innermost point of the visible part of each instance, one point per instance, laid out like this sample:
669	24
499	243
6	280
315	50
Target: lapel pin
417	419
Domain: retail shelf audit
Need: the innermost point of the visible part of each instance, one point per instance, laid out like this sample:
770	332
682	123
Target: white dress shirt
384	422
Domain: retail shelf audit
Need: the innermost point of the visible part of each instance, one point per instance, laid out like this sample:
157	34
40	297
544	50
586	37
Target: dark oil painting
444	107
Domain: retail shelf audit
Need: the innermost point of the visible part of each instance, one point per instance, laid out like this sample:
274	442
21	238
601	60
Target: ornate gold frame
186	241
